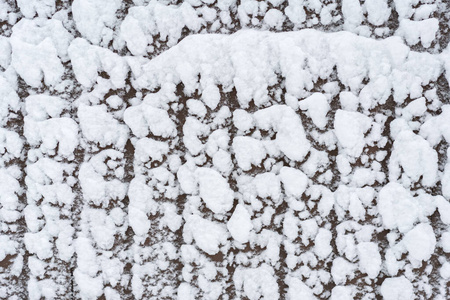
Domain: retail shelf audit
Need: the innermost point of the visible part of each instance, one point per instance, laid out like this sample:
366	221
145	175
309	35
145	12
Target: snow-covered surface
221	149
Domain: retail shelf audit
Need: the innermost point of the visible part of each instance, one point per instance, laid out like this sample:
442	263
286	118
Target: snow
196	107
317	107
341	270
256	282
341	293
214	190
185	292
309	231
248	151
99	126
144	119
150	149
9	247
240	224
294	181
378	11
44	288
445	270
436	128
350	128
9	187
95	188
90	287
414	155
353	14
192	130
94	19
208	235
415	31
443	207
39	47
222	161
242	120
5	53
51	132
298	290
348	101
397	288
88	60
397	207
167	20
43	9
291	138
369	259
268	149
420	243
415	108
274	18
295	12
39	243
322	243
267	185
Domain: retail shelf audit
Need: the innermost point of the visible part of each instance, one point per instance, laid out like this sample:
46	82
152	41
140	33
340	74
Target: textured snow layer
218	149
